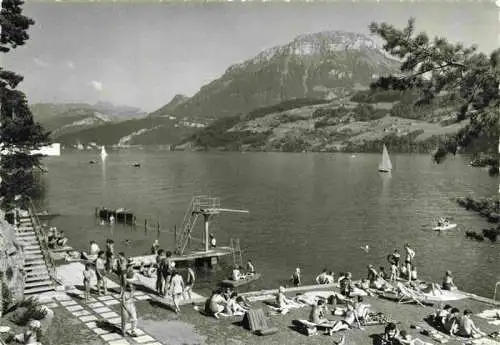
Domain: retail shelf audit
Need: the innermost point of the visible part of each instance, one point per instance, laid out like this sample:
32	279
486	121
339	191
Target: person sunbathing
347	322
233	308
391	335
318	313
466	327
283	303
361	309
448	283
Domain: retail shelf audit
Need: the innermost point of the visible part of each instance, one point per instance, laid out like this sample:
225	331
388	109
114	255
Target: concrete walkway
98	310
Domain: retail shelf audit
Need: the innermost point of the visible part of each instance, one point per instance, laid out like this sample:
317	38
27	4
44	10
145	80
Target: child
394	272
87	276
177	285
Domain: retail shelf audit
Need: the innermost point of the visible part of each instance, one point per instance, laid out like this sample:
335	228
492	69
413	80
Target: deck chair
409	295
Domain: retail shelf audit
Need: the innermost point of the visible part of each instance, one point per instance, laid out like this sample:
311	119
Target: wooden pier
199	257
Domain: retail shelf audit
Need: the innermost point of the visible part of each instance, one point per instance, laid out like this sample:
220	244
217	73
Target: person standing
296	277
100	270
410	255
190	279
159	271
121	267
110	254
177	284
87	277
128	310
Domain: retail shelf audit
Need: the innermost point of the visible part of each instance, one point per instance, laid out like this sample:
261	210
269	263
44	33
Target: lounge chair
409	295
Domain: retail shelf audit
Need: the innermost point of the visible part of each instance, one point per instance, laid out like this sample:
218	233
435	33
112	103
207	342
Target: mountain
67	118
326	66
323	65
169	108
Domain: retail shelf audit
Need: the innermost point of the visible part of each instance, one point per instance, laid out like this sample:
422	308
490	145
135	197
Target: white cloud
96	85
40	63
70	65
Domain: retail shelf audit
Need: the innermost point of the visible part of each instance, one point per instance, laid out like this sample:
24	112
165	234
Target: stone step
35	269
32	251
30	256
37	277
34	262
39	289
38	283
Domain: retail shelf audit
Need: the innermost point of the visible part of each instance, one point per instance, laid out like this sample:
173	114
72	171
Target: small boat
444	227
247	279
385	164
136	165
104	154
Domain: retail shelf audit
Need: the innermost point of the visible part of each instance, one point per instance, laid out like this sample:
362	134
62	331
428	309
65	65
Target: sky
144	54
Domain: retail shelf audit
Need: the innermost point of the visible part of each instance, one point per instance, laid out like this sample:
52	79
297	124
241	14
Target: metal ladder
236	250
497	284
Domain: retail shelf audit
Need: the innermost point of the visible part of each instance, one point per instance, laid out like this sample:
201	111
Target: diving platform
212	255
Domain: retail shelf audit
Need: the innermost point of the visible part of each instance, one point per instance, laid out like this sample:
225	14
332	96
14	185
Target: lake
306	210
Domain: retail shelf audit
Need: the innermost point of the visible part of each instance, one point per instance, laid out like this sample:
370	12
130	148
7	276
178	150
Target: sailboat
104	154
385	165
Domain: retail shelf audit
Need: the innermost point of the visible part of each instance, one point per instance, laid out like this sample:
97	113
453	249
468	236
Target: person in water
155	247
448	283
296	277
324	277
213	241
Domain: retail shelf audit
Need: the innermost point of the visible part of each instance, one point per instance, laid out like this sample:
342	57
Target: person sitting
451	321
382	274
361	309
391	335
250	268
323	278
318	313
439	317
466	327
61	240
147	271
283	303
347	322
236	275
52	238
155	247
233	308
215	305
448	283
31	335
346	286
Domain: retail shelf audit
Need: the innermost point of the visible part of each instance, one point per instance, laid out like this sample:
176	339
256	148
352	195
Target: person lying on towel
284	303
318	314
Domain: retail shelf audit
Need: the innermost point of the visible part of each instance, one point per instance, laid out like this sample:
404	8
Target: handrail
495	292
42	240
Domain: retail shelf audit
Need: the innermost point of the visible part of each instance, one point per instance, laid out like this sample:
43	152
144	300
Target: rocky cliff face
322	65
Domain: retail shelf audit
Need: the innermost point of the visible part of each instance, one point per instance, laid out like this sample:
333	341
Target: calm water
307	210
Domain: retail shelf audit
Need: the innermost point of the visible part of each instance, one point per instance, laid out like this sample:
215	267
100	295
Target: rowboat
242	281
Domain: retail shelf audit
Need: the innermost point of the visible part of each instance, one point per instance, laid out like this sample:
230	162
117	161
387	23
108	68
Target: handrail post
495	291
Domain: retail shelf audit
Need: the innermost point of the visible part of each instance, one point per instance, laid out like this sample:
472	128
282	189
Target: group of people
226	303
56	239
237	271
449	320
168	279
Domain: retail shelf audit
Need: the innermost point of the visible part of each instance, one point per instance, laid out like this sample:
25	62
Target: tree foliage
460	74
19	133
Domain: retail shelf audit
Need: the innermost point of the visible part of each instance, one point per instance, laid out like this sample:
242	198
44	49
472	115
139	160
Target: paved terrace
158	324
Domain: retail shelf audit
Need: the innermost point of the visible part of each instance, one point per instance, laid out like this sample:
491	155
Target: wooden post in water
158	231
175	234
145	225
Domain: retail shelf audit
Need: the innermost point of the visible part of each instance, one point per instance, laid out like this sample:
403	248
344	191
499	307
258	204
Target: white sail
103	152
385	165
